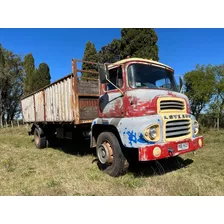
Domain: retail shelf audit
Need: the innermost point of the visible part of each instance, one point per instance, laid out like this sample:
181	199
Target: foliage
2	81
41	77
139	42
29	68
200	87
110	53
90	54
35	78
134	42
18	77
216	107
11	78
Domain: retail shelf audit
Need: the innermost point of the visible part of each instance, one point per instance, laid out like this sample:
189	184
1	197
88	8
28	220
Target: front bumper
169	149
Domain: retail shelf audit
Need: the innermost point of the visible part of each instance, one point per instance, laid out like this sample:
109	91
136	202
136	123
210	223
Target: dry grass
71	170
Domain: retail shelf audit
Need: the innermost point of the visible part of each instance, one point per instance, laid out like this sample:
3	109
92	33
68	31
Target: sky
181	49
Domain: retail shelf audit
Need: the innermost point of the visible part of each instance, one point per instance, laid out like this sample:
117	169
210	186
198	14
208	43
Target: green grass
72	170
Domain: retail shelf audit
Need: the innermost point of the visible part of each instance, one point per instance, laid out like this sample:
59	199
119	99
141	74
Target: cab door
111	100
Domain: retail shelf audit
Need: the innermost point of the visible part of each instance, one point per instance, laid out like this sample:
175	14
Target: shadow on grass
159	167
74	147
80	147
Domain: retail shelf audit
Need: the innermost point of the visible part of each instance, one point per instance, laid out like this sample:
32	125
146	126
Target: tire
40	142
110	156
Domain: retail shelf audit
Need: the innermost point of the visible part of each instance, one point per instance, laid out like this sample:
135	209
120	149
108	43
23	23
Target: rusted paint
88	71
75	90
44	105
135	107
21	108
87	102
28	109
39	105
112	102
45	87
111	105
170	93
34	107
88	95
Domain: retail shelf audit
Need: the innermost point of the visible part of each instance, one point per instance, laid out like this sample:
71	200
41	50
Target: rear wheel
40	141
110	156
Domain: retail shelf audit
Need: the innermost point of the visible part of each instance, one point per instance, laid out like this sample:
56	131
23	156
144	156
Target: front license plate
183	146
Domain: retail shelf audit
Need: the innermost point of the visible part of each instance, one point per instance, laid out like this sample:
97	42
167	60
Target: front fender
130	130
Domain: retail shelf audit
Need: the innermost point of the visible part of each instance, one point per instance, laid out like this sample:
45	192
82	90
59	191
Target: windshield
152	77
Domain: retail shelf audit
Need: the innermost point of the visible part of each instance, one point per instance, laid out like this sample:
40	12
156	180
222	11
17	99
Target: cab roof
138	60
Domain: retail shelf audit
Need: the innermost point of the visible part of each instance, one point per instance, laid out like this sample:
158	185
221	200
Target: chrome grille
171	105
177	128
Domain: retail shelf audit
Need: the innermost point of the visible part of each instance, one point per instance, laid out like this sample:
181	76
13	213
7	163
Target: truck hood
142	102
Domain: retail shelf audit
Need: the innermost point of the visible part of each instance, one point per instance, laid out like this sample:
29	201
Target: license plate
183	146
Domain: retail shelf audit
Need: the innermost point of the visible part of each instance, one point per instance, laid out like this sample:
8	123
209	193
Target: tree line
18	78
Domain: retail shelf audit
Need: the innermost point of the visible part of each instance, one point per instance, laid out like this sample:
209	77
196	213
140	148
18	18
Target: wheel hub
105	153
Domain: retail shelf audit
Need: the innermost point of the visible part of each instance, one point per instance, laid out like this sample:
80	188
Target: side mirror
103	72
181	84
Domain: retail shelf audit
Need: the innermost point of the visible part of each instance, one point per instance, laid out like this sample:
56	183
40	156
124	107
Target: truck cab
141	108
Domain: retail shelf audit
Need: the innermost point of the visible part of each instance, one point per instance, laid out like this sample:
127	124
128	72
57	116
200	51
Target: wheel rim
105	153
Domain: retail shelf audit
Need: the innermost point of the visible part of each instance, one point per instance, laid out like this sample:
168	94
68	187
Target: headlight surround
196	127
151	133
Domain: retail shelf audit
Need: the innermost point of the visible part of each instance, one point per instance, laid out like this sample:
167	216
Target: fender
129	130
102	124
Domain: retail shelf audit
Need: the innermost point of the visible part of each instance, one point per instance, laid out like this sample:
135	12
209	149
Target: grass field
72	170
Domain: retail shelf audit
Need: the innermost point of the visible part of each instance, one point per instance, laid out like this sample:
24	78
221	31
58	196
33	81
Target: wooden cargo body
68	100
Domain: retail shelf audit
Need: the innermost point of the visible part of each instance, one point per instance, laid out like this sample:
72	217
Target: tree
217	105
111	52
139	42
41	77
2	77
11	78
13	91
90	54
200	85
29	67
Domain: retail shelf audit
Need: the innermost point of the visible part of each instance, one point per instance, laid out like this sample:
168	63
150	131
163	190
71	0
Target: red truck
134	106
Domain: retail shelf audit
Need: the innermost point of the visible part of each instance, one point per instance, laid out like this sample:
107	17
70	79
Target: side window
115	76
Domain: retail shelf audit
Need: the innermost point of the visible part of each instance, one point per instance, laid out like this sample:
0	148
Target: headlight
151	133
196	127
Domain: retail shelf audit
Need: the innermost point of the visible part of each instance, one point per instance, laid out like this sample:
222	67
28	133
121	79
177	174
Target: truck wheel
110	156
40	142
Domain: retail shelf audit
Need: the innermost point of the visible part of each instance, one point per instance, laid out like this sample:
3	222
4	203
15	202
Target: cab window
115	76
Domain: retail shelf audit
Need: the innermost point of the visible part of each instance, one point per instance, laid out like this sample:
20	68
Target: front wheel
110	156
